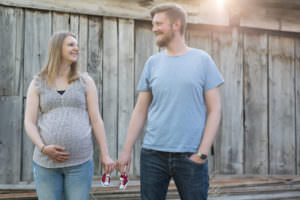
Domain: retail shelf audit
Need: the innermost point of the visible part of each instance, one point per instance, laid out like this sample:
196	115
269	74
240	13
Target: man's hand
195	158
56	153
124	161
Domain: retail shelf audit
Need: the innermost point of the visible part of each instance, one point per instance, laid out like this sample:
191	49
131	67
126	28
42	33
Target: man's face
162	28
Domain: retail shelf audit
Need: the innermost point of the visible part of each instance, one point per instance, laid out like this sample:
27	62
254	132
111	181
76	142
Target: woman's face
70	49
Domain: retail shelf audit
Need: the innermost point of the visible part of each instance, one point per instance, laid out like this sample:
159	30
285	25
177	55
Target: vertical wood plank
60	22
297	81
82	43
19	56
11	23
144	47
227	53
201	39
126	80
10	139
281	105
256	102
37	35
110	83
94	69
20	62
74	24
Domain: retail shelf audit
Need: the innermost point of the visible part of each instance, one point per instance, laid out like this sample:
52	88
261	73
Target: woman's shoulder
84	76
39	82
37	78
86	80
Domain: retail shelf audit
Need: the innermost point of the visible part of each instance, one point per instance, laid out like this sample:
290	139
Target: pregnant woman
61	114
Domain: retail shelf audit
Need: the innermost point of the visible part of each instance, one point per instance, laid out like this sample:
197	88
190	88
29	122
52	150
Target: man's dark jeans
157	168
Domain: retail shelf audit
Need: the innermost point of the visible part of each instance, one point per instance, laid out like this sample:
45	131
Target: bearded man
180	101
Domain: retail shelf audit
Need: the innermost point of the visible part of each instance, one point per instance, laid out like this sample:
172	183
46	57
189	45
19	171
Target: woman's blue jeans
72	183
157	168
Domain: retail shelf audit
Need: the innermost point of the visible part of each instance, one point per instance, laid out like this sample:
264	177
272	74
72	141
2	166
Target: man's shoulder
199	52
201	56
154	58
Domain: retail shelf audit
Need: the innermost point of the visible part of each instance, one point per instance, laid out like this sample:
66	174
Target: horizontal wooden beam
290	4
278	19
275	15
199	11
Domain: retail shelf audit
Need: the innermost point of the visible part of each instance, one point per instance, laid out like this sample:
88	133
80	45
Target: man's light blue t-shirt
177	114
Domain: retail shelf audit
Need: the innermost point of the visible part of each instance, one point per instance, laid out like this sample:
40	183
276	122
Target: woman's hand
108	164
56	153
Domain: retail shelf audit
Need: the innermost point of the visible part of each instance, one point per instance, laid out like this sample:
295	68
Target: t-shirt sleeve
213	77
144	83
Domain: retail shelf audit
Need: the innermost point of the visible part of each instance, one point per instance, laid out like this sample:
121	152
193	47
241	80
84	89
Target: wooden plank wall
256	102
227	53
282	104
297	103
259	132
11	83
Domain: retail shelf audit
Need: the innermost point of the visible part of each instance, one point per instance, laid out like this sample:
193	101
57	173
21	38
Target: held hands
56	153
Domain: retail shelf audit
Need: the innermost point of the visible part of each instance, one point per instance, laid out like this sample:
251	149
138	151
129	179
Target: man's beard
164	41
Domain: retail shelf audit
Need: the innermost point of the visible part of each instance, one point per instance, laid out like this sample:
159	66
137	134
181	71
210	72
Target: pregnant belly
73	135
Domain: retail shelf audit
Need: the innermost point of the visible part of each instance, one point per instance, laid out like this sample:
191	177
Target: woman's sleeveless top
63	120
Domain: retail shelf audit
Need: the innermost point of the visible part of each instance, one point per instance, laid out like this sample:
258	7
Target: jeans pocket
187	158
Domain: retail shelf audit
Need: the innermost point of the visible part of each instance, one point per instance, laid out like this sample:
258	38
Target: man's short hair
173	11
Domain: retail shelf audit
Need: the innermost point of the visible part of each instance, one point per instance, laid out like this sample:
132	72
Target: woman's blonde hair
54	59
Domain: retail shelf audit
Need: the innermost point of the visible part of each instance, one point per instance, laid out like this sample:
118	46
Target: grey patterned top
63	120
